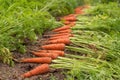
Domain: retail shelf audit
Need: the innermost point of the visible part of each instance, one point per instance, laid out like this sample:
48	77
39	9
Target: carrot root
38	70
54	38
60	34
62	28
52	55
70	18
65	41
59	46
60	53
65	31
37	60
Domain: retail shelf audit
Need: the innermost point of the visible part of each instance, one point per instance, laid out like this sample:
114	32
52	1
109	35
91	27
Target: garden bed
82	45
14	73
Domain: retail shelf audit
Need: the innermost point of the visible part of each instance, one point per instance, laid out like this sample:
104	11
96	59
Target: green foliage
6	56
22	20
95	48
111	9
102	18
95	2
63	7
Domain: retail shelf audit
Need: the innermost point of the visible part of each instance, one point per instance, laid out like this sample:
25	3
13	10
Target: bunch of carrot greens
95	49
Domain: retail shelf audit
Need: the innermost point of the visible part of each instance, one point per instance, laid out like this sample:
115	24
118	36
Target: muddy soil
13	73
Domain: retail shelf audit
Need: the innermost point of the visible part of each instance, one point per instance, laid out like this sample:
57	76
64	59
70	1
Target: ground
13	73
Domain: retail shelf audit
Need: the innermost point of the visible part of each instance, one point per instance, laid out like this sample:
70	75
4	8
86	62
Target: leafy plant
94	50
25	19
19	22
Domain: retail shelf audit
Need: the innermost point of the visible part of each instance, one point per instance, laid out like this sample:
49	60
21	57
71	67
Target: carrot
64	40
66	31
60	34
62	28
59	46
60	53
70	15
54	38
52	55
43	68
69	23
79	12
78	8
63	34
37	60
70	18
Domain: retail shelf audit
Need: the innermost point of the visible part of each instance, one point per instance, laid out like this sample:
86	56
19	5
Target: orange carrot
70	18
54	38
79	10
43	68
59	46
60	34
60	53
70	15
64	40
69	23
63	34
52	55
65	31
62	28
37	60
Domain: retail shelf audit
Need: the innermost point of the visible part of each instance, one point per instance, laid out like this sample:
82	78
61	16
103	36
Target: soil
13	73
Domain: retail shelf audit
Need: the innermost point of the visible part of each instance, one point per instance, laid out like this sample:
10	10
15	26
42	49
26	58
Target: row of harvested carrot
55	45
